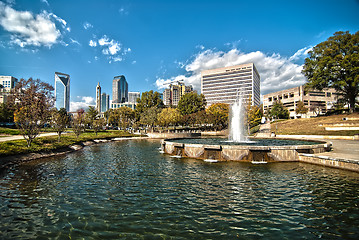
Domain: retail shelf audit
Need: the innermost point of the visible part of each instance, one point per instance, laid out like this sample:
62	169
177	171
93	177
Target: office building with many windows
133	96
62	91
222	85
105	102
119	89
173	94
7	83
317	102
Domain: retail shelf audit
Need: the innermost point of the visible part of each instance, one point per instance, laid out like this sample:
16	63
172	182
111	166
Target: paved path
20	137
343	149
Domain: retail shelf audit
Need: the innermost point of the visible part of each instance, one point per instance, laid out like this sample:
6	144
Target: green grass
44	144
9	131
315	126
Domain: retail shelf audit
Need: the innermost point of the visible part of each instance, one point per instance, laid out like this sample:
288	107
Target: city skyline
153	43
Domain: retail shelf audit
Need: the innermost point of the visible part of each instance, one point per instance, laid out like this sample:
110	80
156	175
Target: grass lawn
315	126
50	143
9	131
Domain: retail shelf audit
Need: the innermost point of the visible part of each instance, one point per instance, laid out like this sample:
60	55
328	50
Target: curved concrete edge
297	153
344	164
173	135
241	152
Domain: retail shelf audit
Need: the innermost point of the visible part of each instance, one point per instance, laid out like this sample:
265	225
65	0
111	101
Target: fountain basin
283	150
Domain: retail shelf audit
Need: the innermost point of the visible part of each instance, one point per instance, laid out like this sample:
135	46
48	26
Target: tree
278	111
122	117
191	103
169	116
32	100
6	113
218	115
335	63
59	119
126	117
316	107
91	115
301	108
148	100
98	124
254	115
78	122
149	116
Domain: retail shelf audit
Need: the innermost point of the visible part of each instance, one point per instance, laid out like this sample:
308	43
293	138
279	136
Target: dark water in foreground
127	190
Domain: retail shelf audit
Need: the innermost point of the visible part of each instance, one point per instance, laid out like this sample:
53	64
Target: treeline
30	106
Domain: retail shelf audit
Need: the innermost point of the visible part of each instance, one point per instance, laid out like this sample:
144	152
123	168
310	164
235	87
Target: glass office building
119	89
105	102
62	91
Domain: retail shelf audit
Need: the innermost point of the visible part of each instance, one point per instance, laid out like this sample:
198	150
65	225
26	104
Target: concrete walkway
343	149
20	137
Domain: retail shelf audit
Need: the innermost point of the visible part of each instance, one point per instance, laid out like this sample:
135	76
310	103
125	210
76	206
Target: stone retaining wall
330	162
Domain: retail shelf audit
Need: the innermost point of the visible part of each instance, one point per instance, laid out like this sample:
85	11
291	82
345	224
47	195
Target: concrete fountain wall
241	152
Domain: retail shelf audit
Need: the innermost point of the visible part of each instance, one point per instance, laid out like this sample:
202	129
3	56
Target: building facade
222	85
119	89
173	94
105	102
317	102
62	91
7	83
133	96
98	98
125	104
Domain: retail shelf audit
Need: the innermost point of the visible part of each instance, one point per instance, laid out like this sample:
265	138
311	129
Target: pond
128	190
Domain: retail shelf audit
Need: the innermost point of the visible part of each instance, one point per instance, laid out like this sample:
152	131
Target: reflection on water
129	190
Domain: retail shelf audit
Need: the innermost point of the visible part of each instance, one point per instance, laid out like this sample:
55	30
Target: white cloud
93	43
117	59
60	20
300	54
28	29
87	25
123	11
84	102
276	72
74	41
111	48
46	2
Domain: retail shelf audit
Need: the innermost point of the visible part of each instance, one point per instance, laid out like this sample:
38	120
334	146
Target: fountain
237	129
239	148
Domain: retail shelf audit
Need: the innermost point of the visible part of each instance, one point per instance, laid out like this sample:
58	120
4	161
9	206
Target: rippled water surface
128	190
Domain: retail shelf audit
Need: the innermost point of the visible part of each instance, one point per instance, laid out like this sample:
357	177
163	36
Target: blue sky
155	42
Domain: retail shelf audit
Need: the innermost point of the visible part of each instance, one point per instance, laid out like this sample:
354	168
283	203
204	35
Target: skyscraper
62	91
98	98
119	89
173	94
222	84
105	102
132	97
